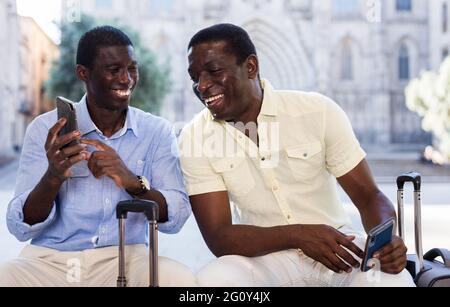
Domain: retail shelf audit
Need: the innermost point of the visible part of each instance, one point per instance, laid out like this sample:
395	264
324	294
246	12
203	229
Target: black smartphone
378	237
66	109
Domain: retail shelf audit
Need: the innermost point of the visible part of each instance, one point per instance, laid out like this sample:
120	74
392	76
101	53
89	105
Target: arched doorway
282	60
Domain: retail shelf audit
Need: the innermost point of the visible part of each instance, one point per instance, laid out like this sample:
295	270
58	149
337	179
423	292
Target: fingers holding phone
380	243
61	158
63	145
393	256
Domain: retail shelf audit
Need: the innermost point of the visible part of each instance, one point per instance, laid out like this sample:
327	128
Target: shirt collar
86	125
269	106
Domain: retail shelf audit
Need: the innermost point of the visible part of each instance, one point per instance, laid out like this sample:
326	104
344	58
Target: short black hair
91	41
238	41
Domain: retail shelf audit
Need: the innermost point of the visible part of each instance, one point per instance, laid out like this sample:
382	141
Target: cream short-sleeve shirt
305	142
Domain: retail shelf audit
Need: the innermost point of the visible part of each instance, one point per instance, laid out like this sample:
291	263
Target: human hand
326	245
392	257
60	159
106	162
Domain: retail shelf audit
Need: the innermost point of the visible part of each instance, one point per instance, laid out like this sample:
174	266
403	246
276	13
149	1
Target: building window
445	53
403	63
347	62
160	6
444	17
345	6
103	4
404	5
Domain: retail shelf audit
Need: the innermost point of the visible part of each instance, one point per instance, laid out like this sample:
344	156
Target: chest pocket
75	186
305	161
236	174
78	185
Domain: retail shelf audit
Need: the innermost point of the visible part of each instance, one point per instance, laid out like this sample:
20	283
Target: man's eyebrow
211	62
113	64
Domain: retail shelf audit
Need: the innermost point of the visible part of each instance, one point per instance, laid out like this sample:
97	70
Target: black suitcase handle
416	179
149	208
413	177
439	252
151	211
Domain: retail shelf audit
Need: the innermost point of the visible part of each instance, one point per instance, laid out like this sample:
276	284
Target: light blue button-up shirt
83	216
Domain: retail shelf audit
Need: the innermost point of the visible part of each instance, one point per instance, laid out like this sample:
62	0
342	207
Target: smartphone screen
378	237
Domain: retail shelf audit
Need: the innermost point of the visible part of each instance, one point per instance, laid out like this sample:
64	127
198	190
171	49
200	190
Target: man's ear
252	66
82	73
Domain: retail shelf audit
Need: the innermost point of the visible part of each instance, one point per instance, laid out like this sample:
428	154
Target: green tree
153	78
429	96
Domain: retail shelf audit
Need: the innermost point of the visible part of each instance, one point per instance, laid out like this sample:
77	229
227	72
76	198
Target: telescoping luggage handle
150	210
416	180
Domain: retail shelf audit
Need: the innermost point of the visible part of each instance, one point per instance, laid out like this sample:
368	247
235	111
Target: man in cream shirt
277	155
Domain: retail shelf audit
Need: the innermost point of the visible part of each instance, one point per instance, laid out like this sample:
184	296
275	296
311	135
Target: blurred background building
439	32
10	77
362	53
37	53
26	55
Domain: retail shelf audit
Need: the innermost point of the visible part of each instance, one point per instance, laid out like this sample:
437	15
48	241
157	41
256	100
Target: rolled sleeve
15	220
168	180
178	211
206	187
199	175
343	151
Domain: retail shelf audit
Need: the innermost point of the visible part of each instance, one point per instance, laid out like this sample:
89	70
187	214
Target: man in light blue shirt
65	197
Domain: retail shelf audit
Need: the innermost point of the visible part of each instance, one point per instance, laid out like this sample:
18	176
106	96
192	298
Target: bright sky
45	12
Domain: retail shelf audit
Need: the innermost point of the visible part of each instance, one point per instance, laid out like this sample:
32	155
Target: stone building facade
37	53
362	53
9	78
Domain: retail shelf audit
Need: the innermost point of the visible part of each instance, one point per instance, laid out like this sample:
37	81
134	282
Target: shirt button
289	217
263	159
232	166
140	162
305	155
102	230
107	201
94	240
275	188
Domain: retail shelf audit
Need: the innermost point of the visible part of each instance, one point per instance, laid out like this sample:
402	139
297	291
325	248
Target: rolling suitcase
426	270
150	210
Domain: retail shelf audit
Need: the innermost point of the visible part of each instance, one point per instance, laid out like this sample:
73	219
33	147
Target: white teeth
123	93
211	99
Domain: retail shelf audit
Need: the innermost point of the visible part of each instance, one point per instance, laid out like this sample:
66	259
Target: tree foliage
429	96
153	78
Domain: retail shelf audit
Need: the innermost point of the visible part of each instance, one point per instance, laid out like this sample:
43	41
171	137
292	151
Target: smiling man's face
219	81
113	77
